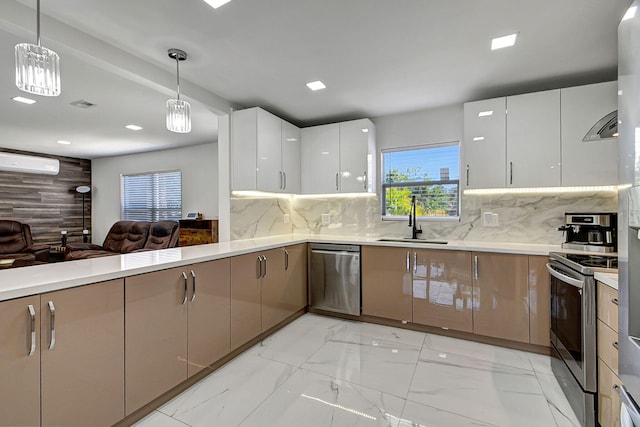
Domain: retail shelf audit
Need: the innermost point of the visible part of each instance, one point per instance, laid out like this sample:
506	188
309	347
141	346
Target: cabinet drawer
608	400
607	346
608	306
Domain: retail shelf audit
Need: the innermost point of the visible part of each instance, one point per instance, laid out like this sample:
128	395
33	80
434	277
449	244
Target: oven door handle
570	280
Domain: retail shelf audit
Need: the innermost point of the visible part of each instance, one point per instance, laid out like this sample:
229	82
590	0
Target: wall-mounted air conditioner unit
29	164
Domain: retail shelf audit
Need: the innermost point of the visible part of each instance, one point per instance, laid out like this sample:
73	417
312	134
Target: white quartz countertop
609	279
24	281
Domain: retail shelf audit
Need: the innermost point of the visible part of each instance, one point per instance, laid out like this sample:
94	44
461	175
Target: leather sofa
16	242
126	237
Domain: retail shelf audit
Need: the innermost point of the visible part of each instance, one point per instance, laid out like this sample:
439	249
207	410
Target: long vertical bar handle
184	277
286	260
52	325
32	330
510	173
193	285
467	175
264	258
281	181
259	267
365	184
408	261
337	177
284	186
415	263
475	267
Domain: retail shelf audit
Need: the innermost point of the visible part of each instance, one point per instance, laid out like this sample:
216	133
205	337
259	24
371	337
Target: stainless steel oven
573	333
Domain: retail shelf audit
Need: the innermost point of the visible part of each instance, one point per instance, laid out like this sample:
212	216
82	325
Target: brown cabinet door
296	277
608	400
500	293
209	313
386	282
442	289
20	370
245	299
83	371
155	335
274	292
539	300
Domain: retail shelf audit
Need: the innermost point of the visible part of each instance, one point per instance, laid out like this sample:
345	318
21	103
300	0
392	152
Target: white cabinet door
354	154
484	146
244	149
533	139
268	160
321	159
291	157
594	162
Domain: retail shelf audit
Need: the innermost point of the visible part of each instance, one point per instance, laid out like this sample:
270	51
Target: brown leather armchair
16	242
128	236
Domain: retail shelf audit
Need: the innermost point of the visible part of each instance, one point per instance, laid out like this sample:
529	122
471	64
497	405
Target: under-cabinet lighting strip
266	195
582	189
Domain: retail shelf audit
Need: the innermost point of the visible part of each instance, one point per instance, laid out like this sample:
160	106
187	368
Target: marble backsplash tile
531	218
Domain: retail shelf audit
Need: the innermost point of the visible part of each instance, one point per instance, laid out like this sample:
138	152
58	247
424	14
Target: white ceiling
377	57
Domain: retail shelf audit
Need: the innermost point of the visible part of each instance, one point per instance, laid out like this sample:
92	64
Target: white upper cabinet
291	142
339	158
593	162
533	140
321	159
265	151
484	146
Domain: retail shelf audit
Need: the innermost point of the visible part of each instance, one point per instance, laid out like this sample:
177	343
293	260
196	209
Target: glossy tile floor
321	371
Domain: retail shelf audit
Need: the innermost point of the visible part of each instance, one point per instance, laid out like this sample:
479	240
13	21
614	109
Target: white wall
199	166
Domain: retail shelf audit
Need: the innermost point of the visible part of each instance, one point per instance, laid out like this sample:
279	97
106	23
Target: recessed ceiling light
291	139
63	142
317	85
326	153
216	3
24	100
365	130
504	41
485	113
631	13
479	138
134	127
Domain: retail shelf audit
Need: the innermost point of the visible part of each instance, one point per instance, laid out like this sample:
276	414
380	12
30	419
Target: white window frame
383	186
153	210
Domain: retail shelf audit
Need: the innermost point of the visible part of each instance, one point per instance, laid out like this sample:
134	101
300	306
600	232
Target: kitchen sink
410	240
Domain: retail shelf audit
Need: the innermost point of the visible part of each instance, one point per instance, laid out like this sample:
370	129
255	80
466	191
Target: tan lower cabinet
387	283
246	322
65	365
209	316
500	293
284	286
608	381
177	323
82	355
442	289
539	297
20	362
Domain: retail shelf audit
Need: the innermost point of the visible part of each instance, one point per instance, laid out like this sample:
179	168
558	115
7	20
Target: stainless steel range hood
606	127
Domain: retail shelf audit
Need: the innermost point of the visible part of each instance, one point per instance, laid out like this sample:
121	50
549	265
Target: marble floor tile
158	419
315	400
378	364
486	352
418	415
298	341
230	394
494	393
560	408
322	371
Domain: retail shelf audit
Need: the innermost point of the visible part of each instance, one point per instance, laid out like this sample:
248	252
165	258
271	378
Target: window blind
151	196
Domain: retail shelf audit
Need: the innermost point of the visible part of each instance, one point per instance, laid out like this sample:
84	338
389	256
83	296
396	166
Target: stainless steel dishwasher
334	278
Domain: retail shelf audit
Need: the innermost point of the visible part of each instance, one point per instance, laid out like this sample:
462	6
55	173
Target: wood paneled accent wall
48	203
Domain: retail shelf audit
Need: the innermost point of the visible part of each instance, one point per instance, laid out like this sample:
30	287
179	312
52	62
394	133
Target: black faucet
413	219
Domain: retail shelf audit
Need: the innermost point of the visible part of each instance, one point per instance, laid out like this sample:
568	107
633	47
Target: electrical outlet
286	218
490	219
326	219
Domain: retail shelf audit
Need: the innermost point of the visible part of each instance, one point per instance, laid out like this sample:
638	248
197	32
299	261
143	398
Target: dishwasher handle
339	253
